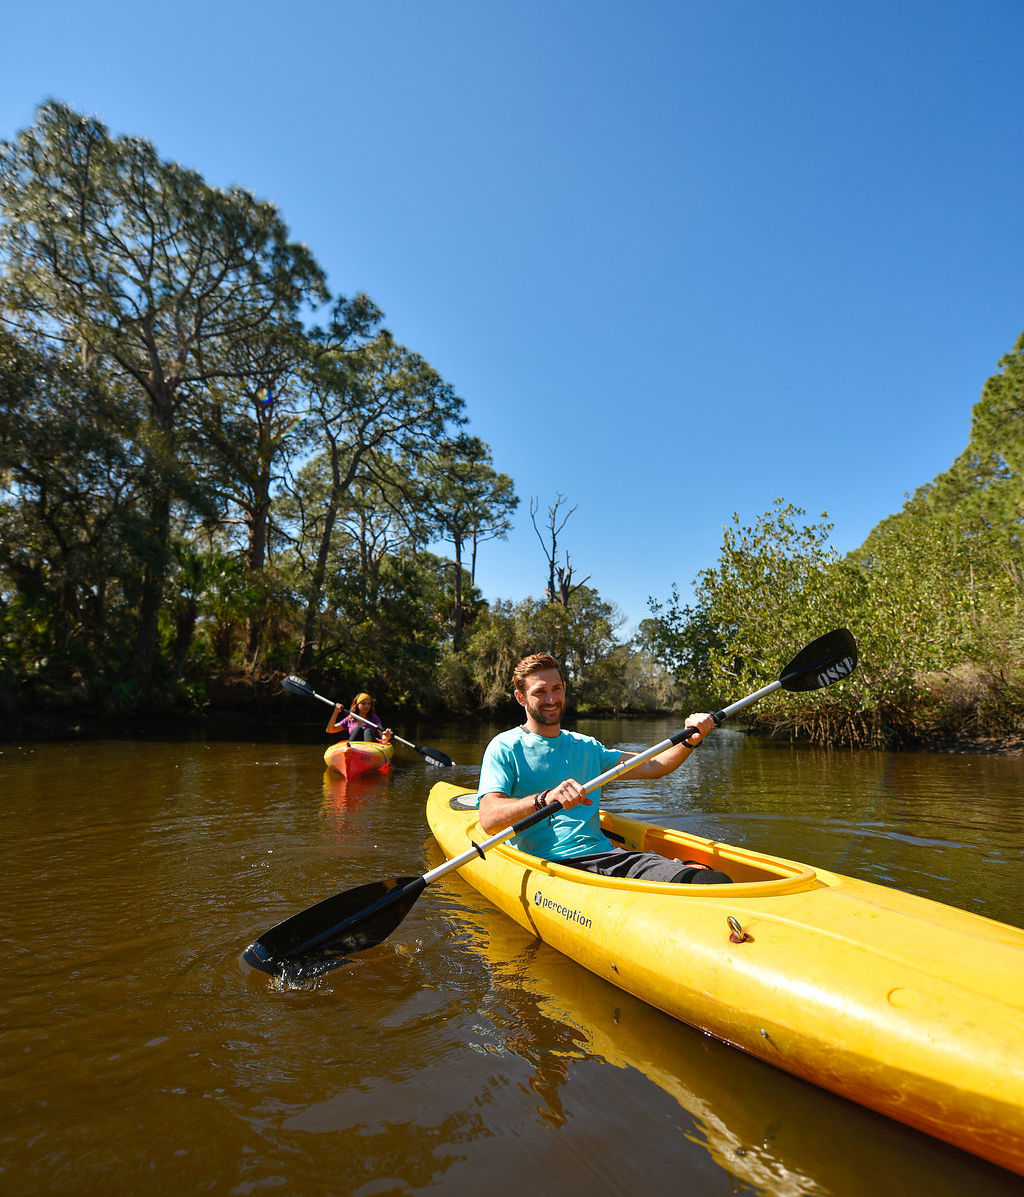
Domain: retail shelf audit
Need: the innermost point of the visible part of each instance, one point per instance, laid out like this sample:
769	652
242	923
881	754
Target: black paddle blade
325	934
434	756
828	659
296	685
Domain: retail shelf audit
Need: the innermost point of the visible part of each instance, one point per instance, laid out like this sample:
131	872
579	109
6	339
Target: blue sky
679	259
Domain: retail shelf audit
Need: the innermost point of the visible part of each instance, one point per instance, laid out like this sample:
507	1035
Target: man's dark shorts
647	866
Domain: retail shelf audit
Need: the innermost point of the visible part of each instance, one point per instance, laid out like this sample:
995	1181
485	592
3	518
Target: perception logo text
565	912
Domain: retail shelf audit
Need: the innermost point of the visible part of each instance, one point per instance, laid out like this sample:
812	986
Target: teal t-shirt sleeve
497	770
609	758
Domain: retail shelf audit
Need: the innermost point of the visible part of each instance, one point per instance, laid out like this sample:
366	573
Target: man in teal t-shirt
528	767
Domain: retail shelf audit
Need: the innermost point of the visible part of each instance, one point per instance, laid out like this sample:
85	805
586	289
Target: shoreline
265	726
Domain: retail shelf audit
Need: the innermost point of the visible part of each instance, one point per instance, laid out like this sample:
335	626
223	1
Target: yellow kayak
910	1007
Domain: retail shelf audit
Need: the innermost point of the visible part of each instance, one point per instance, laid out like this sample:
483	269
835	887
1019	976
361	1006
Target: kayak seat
702	874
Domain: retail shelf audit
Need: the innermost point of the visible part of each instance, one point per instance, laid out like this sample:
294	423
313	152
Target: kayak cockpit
753	874
743	866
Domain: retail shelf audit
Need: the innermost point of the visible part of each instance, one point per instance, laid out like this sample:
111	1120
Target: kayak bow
353	758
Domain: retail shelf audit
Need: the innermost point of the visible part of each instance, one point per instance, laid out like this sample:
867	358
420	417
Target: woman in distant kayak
355	729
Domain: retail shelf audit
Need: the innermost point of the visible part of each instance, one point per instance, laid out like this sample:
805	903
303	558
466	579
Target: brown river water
138	1054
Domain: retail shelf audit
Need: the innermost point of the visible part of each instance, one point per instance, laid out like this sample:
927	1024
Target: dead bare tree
565	589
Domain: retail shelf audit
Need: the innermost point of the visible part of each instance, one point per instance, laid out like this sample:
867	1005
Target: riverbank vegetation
214	471
935	597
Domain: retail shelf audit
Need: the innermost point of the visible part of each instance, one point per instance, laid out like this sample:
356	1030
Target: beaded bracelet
541	800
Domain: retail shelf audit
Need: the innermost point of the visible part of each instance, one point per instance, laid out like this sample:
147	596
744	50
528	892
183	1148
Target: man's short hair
534	663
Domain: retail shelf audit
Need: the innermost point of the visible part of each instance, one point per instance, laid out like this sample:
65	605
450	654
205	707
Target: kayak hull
907	1006
353	758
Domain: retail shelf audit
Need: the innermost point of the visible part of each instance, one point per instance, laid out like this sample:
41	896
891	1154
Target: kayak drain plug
736	932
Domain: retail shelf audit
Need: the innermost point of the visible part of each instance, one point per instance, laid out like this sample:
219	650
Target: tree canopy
214	471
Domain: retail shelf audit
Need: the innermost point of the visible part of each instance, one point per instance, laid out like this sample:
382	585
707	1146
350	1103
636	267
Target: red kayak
353	758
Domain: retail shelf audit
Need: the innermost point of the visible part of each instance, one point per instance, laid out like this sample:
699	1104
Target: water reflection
343	797
137	1054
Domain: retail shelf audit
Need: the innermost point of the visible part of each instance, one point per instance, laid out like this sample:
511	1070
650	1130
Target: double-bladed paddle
433	756
321	937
